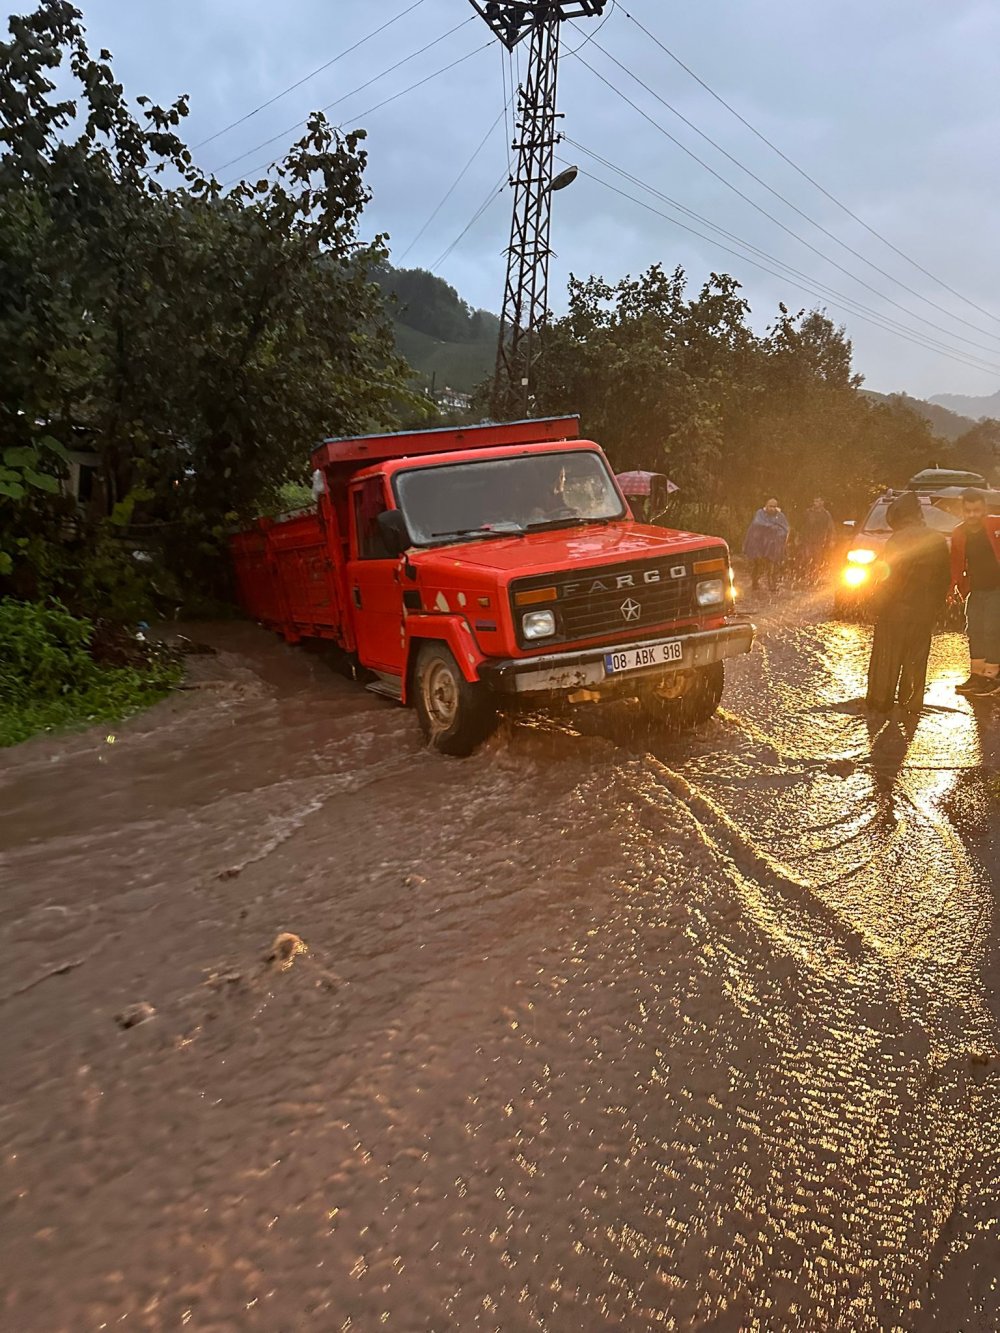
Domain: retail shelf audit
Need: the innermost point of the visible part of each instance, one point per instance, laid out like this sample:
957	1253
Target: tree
200	339
684	385
978	449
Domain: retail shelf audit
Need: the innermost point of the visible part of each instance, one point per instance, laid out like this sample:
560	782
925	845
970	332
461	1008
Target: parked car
858	573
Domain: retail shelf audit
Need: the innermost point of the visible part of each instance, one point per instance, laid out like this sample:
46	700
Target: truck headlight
538	624
861	556
711	592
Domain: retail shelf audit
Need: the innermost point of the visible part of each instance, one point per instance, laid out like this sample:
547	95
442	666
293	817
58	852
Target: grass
460	366
122	693
57	672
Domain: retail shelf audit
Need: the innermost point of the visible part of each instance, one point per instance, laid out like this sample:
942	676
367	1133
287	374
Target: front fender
452	630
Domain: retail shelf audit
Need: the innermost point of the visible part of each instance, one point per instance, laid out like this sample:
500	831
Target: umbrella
641	483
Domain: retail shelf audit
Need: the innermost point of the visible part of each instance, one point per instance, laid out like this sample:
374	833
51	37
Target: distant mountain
946	424
447	342
976	408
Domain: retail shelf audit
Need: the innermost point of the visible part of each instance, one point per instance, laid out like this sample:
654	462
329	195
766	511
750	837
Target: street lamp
565	178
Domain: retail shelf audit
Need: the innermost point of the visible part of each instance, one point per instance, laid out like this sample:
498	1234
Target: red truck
468	569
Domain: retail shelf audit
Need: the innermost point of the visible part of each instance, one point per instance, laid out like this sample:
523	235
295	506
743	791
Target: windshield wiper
576	521
502	529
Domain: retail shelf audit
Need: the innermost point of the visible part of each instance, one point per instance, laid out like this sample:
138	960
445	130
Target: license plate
647	655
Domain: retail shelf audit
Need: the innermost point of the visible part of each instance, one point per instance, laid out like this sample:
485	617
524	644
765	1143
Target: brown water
593	1030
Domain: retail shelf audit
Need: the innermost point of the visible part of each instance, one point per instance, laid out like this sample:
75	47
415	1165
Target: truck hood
565	548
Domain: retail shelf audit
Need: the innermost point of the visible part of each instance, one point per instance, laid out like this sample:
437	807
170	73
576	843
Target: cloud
891	107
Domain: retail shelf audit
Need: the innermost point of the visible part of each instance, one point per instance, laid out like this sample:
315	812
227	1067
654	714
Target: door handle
357	596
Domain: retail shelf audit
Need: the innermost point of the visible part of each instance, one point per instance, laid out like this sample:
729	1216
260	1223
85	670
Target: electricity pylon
526	289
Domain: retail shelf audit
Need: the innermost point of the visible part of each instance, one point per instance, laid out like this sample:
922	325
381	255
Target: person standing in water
816	535
975	567
765	542
910	599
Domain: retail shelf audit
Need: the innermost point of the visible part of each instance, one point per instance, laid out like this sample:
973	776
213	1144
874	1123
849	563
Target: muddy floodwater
594	1030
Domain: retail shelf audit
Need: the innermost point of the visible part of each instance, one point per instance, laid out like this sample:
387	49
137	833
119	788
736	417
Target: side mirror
392	526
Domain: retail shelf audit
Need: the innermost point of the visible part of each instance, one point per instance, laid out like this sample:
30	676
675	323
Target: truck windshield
506	496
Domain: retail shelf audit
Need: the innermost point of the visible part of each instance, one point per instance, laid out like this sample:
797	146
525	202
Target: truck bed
285	577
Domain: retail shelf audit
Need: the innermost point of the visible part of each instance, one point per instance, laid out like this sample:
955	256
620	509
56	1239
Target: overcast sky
893	107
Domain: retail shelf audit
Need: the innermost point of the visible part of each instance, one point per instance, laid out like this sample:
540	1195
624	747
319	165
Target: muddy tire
455	715
693	709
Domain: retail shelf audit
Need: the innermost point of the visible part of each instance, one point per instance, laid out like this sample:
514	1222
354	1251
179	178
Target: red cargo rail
360	450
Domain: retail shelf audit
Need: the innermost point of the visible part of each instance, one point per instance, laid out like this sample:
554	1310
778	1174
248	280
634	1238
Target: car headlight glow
711	592
538	624
855	575
862	556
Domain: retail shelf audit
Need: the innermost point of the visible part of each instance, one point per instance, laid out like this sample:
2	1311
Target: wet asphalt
596	1029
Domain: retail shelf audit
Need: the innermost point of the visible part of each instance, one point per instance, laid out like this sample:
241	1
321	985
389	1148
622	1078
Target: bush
49	676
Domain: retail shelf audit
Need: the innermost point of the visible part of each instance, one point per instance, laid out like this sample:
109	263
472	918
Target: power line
805	216
494	193
806	176
809	283
956	337
457	181
318	70
360	89
591	35
377	107
845	304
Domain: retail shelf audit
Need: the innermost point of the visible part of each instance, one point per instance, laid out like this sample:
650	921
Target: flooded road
593	1030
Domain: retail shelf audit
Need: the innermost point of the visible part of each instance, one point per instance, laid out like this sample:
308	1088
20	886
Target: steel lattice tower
525	299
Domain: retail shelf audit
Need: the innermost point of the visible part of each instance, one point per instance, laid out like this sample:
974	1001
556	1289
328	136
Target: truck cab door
374	589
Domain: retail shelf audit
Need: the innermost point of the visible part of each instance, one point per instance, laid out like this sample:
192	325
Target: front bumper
585	669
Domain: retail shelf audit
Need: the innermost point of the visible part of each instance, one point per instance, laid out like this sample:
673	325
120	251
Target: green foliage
294	495
684	385
429	305
199	338
23	467
978	449
49	677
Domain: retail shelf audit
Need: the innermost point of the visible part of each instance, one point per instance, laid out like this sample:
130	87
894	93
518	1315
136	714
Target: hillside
446	341
946	424
976	408
452	365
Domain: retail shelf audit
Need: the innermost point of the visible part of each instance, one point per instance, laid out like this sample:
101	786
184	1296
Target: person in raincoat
910	599
816	536
765	542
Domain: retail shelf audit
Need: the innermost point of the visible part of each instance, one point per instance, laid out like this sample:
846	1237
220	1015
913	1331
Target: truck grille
622	601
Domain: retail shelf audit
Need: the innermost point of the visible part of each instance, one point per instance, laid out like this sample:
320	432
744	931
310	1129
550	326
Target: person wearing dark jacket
975	568
911	598
816	537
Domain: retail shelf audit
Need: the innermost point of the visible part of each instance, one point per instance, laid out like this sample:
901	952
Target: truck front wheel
697	705
456	715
